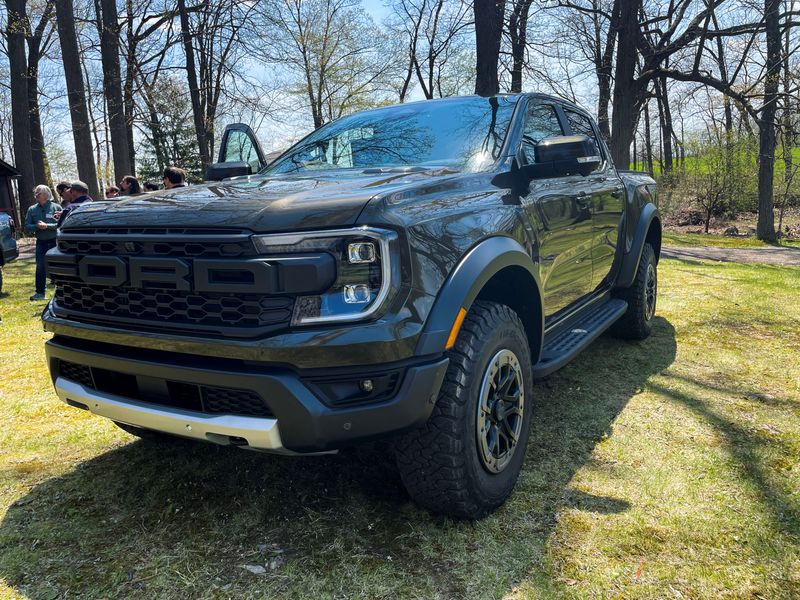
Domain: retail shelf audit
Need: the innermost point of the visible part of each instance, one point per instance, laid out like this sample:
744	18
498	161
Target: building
8	203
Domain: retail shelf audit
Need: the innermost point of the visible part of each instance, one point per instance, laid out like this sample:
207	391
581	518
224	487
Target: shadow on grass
744	446
180	519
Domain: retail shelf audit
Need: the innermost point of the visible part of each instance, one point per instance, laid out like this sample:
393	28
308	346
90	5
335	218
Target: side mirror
566	155
220	171
555	157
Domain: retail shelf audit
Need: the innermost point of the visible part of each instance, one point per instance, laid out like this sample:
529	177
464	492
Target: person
130	186
61	187
76	195
41	219
174	177
151	186
112	191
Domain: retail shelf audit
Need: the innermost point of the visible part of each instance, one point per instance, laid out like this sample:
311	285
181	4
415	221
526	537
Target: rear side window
541	123
581	125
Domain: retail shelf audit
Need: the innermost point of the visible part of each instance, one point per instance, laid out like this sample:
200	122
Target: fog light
356	294
366	385
361	252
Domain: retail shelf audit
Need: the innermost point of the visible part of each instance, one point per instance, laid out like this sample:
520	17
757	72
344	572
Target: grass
666	468
674	238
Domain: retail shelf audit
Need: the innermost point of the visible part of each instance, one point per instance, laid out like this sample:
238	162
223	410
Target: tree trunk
41	168
194	90
518	32
112	87
765	229
665	120
627	91
127	88
20	119
70	54
648	142
488	33
604	69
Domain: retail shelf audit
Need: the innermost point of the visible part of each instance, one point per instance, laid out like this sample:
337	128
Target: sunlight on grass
666	468
673	238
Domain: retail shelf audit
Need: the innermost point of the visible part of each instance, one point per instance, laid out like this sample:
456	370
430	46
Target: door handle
583	199
616	194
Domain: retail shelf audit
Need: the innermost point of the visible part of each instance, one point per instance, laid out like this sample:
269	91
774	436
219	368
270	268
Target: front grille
210	309
175	394
77	373
157	242
154	307
235	402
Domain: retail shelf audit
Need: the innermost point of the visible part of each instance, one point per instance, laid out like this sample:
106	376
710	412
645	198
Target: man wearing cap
75	196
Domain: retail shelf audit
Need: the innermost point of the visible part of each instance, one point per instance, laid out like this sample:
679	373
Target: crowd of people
45	217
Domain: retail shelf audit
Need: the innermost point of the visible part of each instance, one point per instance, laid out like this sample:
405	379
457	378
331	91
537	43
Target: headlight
366	271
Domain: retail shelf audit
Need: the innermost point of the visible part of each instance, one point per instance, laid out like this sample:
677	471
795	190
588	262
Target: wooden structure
8	202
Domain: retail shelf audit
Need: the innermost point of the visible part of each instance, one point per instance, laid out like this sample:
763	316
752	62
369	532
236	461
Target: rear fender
647	229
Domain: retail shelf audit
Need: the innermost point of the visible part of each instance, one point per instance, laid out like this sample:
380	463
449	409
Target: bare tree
81	129
489	17
15	34
109	29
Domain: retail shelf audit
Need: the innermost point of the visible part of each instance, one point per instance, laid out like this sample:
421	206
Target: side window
541	122
239	148
581	125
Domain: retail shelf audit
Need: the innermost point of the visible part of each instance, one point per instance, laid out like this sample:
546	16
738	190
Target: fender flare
630	260
466	281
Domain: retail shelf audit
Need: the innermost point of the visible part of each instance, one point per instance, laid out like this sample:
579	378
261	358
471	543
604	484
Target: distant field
661	469
672	238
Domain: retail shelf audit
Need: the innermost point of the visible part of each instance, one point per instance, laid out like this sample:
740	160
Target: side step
562	346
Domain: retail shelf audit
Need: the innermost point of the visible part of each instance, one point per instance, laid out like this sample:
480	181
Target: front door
561	218
607	202
239	145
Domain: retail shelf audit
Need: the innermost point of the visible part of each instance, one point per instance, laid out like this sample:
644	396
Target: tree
489	16
517	30
170	138
211	43
765	228
109	28
337	61
76	96
434	40
15	34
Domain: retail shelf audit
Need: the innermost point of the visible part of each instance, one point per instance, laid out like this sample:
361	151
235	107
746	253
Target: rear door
607	201
560	216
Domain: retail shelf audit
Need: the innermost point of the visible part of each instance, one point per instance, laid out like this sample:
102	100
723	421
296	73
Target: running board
563	346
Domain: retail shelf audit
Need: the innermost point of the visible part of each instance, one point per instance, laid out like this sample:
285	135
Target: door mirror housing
223	170
555	157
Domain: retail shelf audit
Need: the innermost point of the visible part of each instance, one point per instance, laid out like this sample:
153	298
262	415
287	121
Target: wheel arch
648	230
497	269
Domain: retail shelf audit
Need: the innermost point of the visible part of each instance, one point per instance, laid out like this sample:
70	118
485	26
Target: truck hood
257	203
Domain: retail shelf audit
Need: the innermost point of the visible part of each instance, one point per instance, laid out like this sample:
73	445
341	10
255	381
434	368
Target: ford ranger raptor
404	273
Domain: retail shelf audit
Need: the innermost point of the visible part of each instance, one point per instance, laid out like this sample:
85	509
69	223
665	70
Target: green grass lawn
674	238
662	469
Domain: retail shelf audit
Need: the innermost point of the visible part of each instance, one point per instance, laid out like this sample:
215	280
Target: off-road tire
148	434
637	322
440	463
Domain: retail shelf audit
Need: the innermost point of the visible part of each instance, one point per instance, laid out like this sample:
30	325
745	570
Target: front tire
465	461
637	322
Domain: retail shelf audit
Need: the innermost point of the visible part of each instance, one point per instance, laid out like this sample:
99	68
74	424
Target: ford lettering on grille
302	274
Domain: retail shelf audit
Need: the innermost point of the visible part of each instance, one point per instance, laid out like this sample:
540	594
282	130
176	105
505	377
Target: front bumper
301	421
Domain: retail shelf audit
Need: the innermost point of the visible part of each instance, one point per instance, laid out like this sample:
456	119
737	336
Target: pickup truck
404	273
8	245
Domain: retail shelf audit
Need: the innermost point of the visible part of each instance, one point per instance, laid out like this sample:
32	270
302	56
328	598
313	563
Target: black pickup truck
404	272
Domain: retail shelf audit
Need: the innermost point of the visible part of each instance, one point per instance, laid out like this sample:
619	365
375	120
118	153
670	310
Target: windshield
465	133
